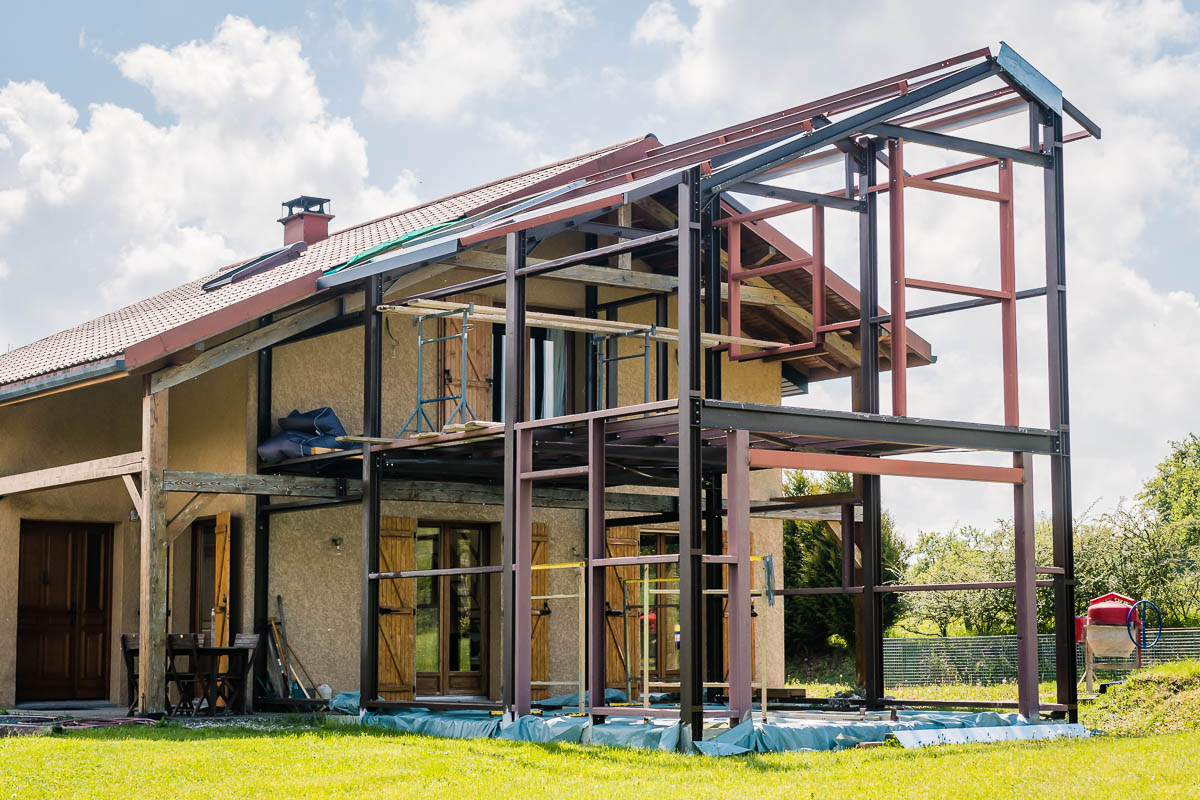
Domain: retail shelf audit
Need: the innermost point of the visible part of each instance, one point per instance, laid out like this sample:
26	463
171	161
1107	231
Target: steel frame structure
690	437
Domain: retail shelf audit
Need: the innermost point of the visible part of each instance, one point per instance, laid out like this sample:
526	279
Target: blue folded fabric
320	421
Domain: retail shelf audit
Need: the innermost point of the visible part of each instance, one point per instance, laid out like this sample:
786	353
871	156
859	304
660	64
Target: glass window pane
427	639
466	624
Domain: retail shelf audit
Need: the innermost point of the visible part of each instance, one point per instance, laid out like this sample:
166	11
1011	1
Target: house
540	403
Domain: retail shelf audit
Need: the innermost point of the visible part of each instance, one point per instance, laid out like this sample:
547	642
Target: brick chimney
305	219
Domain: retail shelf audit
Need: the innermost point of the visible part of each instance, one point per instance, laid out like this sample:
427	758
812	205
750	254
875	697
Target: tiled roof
111	335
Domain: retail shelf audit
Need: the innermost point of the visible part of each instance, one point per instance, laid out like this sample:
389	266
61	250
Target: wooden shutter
397	598
479	362
540	625
221	580
622	650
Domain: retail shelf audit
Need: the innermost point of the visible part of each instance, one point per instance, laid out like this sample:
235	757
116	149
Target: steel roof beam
973	146
788	151
797	196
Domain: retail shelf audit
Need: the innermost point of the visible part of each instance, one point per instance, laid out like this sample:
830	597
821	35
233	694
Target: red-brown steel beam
951	188
1008	287
955	288
818	274
866	465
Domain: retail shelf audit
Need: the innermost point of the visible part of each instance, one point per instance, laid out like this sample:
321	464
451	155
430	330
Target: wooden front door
63	610
210	577
450	611
622	649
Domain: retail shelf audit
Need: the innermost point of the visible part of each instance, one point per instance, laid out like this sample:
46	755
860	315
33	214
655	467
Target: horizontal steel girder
876	428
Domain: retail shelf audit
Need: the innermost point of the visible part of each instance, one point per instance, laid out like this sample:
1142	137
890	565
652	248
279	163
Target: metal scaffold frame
682	435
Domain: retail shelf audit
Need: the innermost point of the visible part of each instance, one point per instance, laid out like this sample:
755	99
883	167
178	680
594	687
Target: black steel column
691	579
368	666
515	351
1060	465
868	401
714	619
262	524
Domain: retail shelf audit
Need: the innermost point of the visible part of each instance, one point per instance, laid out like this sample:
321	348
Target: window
548	367
451	610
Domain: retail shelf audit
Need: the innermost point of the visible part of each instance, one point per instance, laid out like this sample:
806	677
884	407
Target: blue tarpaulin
780	733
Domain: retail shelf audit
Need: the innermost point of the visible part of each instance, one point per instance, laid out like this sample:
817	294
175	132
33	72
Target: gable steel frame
690	442
853	442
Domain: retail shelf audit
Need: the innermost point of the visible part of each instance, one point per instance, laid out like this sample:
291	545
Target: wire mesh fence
993	659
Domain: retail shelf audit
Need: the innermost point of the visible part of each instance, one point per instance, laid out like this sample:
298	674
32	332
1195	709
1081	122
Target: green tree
813	558
1174	491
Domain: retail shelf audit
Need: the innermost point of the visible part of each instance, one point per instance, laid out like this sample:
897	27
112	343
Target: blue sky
142	144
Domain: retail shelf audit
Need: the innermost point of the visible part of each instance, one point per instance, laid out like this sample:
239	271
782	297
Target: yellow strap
563	565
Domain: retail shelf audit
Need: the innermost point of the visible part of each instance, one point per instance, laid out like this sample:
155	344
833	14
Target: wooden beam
839	347
835	527
602	276
192	510
71	474
152	620
135	493
405	491
245	344
657	333
625	219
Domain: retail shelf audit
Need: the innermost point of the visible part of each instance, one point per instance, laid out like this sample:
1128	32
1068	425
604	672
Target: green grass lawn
330	762
300	761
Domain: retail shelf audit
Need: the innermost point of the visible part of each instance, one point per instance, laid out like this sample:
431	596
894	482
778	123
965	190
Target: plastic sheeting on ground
566	700
465	724
781	734
633	732
345	703
545	729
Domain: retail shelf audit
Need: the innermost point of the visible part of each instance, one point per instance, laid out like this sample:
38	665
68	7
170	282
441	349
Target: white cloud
132	207
659	24
460	52
1133	67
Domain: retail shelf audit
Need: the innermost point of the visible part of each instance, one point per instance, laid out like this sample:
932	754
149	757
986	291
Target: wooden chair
188	677
129	651
239	671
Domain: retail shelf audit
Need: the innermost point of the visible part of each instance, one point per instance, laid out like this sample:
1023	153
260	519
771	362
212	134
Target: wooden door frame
443	673
78	589
194	622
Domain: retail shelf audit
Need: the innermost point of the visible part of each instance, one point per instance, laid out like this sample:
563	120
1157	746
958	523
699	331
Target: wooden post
152	622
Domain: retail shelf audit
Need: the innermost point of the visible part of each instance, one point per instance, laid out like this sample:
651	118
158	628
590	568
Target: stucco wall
207	430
